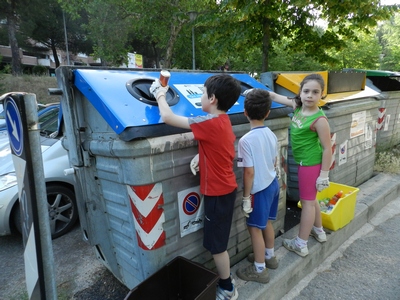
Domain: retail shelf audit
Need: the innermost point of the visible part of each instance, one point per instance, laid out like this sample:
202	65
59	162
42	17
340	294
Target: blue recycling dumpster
138	202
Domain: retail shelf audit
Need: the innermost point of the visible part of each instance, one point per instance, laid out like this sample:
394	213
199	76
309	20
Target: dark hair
257	104
318	78
225	88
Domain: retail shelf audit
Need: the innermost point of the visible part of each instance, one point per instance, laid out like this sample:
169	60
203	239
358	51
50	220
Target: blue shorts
265	206
218	214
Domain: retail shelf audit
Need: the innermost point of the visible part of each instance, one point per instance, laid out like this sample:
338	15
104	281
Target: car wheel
63	212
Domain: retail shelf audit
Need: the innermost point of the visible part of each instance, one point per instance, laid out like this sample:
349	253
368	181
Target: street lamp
192	16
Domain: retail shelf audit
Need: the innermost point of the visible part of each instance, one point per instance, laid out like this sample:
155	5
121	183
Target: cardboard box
180	279
343	212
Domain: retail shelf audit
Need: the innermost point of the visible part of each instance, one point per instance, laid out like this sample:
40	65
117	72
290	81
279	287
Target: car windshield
48	124
2	117
48	119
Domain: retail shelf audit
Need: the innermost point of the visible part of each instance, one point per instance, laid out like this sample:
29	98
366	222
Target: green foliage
390	37
362	53
3	35
262	24
6	69
43	22
40	70
251	36
114	26
2	86
388	161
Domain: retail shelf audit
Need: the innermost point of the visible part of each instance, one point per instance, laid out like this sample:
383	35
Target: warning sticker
191	210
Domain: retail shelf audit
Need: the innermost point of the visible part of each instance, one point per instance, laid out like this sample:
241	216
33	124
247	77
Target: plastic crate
343	212
180	279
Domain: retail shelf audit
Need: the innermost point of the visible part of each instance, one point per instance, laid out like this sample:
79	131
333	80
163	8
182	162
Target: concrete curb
372	197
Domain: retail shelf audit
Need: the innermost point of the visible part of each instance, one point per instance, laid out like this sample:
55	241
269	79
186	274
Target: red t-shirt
216	142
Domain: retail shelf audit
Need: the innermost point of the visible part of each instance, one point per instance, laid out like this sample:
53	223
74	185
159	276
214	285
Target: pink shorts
307	180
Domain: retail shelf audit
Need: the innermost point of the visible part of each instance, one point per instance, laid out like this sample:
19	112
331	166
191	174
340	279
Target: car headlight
7	181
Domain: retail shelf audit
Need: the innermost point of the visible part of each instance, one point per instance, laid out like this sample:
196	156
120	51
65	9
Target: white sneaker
291	246
227	295
320	237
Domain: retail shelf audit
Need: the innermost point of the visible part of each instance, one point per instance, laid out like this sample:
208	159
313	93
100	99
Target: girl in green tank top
306	146
311	145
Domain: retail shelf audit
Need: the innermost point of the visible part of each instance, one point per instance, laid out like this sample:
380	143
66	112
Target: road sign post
22	126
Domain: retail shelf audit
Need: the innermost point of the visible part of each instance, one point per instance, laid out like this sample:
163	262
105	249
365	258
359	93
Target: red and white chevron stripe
381	118
146	202
333	144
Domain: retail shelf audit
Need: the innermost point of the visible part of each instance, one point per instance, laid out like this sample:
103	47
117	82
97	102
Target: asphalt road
78	273
365	267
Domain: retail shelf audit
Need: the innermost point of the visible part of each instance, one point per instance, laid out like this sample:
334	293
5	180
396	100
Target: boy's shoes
320	237
291	246
271	263
249	273
227	295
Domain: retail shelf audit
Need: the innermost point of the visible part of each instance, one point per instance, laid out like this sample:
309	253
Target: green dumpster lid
375	72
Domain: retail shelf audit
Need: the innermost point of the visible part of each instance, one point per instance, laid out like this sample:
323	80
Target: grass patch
388	161
37	85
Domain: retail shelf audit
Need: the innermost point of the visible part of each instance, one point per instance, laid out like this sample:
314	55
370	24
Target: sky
390	2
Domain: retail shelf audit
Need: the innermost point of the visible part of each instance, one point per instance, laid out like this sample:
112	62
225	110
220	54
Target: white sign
387	120
343	153
193	93
191	210
357	124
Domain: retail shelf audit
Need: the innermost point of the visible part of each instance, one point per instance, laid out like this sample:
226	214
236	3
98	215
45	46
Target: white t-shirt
259	149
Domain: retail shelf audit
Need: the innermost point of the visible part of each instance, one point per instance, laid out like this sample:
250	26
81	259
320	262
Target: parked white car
2	119
63	212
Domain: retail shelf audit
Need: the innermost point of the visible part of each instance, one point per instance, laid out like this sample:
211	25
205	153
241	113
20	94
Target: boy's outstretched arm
166	113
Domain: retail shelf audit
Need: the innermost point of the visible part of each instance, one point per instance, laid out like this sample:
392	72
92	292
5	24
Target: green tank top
306	147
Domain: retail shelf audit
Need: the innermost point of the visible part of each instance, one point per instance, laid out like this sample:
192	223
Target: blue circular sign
191	203
14	125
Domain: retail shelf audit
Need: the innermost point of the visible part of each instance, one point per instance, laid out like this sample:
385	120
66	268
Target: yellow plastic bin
343	212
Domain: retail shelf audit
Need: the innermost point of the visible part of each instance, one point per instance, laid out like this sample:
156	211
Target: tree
361	54
115	24
43	23
9	8
389	33
257	24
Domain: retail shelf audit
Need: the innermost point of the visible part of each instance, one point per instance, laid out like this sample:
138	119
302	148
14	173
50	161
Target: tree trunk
265	47
16	68
54	50
175	29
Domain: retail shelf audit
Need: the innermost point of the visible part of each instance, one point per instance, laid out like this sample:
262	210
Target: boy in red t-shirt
216	153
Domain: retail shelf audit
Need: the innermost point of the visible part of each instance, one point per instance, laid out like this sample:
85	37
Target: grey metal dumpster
351	108
388	122
138	202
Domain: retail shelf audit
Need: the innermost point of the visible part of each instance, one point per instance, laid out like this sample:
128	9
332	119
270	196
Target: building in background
44	57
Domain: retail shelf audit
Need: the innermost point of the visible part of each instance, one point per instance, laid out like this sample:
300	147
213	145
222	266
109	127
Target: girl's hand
322	181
